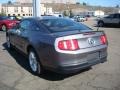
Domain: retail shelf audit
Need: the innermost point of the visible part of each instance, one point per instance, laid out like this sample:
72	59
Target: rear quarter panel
44	45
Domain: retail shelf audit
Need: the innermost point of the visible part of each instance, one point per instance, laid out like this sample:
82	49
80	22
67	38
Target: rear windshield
60	25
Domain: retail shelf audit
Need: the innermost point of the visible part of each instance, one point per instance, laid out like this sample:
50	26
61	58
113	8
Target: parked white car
79	18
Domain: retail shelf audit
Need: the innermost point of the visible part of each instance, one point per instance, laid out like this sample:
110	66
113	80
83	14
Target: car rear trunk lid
86	40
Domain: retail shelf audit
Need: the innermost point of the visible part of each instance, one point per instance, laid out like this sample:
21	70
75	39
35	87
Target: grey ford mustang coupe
58	44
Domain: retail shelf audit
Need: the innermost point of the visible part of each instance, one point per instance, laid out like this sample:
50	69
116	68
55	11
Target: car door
22	35
13	35
116	19
109	19
12	20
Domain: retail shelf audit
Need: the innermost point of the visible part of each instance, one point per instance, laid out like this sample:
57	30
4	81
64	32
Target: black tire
34	63
4	28
100	23
119	24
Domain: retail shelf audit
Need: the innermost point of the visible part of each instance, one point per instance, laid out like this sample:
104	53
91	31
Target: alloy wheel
33	61
101	24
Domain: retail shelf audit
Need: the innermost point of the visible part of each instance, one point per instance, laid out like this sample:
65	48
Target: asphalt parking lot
15	73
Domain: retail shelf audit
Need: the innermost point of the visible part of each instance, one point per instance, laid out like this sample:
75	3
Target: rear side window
60	25
117	15
24	25
110	16
37	27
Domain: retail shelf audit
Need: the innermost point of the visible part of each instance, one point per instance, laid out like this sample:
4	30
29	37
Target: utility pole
36	8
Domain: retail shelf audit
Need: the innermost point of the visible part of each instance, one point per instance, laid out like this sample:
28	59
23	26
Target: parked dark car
7	22
58	44
112	19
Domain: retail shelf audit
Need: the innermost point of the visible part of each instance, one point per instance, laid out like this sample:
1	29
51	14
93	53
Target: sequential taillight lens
103	39
70	45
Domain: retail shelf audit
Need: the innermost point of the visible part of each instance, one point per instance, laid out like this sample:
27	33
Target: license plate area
93	57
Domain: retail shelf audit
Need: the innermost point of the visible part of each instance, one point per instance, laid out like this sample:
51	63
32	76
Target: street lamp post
36	8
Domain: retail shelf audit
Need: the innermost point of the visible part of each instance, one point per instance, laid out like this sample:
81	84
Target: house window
15	9
23	14
8	14
7	9
18	14
30	10
21	9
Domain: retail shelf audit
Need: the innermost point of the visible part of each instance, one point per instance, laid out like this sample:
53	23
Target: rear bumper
66	63
76	68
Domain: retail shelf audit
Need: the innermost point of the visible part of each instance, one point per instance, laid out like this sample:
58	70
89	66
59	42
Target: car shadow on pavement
107	26
47	75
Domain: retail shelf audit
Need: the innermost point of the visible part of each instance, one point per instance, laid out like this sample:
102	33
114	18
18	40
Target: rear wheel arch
119	23
101	23
4	25
40	66
30	47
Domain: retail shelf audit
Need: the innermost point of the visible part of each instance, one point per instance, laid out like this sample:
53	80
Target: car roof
49	17
3	16
115	13
43	18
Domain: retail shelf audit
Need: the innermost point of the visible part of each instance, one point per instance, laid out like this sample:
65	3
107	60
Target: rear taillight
103	39
68	45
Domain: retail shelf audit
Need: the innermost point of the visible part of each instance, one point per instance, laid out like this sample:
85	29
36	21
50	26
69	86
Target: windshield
60	25
11	18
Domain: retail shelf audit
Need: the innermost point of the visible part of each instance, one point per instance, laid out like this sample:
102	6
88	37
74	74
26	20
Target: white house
99	13
119	11
57	14
0	7
23	9
48	10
